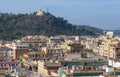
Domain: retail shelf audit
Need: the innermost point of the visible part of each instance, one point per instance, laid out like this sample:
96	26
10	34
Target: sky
104	14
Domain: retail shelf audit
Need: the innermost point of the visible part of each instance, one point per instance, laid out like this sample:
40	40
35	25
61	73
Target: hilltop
14	26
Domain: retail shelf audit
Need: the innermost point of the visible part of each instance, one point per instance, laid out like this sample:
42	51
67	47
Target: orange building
20	52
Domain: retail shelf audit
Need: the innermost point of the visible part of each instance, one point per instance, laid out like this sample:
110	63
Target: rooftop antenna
47	10
40	10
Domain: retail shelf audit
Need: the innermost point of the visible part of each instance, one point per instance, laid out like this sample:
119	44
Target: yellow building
106	53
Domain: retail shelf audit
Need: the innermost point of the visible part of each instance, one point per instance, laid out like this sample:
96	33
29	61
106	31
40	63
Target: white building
39	13
109	34
115	64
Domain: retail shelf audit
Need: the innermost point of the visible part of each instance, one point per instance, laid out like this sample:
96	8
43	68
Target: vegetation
14	26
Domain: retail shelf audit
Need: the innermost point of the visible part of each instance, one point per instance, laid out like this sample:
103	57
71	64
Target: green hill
13	26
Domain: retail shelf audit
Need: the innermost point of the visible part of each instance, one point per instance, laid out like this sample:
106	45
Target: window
13	64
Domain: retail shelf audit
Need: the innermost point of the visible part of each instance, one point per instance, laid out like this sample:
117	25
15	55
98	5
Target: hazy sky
103	14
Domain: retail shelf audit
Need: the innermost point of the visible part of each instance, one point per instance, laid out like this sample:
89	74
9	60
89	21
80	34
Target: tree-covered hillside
13	26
